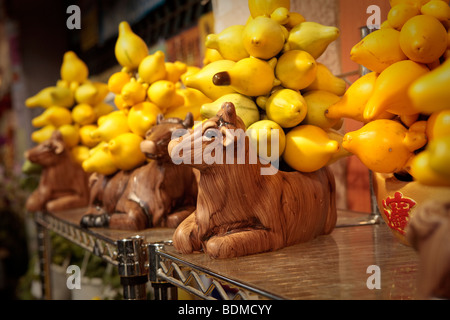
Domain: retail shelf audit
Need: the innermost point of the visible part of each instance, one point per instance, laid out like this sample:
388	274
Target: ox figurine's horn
228	113
189	120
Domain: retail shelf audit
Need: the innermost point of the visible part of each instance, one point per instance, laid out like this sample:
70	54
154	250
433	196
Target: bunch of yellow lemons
404	102
268	68
146	86
72	106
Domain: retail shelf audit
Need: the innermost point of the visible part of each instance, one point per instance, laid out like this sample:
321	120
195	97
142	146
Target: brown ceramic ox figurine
239	210
63	184
156	194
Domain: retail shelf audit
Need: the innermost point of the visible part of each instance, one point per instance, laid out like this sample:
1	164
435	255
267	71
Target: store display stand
328	267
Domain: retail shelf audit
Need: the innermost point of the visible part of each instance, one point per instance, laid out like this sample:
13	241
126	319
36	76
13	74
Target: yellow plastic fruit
228	43
263	38
56	116
384	146
174	70
438	9
296	69
286	107
125	150
117	80
439	155
91	92
100	161
352	104
110	126
399	14
190	70
43	134
153	67
311	37
73	69
246	109
378	50
295	19
130	49
261	134
119	103
51	96
85	135
250	76
133	92
308	148
80	154
417	3
430	92
326	80
423	39
102	109
438	124
318	101
70	134
142	117
391	90
83	114
281	15
266	7
421	171
193	100
164	94
203	79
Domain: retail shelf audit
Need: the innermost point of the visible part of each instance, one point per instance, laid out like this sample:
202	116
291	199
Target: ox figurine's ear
189	120
160	118
57	141
228	113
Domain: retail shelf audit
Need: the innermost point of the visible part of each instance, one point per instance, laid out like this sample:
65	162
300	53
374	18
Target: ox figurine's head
210	142
49	152
158	137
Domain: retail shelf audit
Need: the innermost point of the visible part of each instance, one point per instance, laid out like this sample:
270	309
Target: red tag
397	211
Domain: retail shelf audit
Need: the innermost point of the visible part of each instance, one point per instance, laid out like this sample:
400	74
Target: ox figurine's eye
211	134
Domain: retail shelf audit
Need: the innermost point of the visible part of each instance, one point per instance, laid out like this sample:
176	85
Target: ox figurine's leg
133	218
243	243
175	218
186	238
35	202
67	203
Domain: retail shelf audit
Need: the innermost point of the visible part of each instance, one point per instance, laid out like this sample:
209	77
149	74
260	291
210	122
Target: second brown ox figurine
156	194
241	212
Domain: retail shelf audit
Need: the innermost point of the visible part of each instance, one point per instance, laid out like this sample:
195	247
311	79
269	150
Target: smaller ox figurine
428	232
240	211
63	184
156	194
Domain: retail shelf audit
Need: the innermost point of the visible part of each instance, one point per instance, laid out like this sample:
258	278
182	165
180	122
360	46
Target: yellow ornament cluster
404	102
268	68
72	106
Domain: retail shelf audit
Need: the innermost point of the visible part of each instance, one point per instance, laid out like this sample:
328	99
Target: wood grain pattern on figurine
63	184
156	194
241	212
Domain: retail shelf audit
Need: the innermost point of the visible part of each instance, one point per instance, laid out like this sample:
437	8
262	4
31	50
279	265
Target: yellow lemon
261	134
438	9
318	101
56	116
130	49
142	117
83	114
164	94
100	161
126	152
80	154
133	92
308	148
152	67
399	14
117	80
71	135
263	38
85	135
296	69
423	39
286	107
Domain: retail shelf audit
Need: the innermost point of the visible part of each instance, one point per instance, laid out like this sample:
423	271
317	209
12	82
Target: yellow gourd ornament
73	69
142	117
125	151
266	7
130	49
296	69
229	43
385	146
